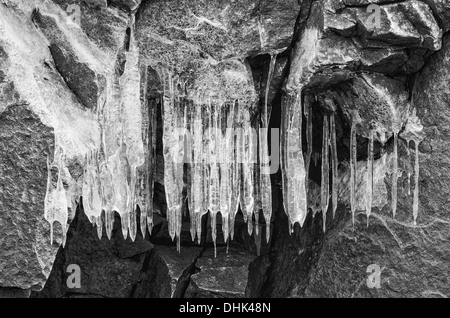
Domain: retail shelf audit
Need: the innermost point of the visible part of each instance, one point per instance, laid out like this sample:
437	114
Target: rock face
26	255
93	95
223	276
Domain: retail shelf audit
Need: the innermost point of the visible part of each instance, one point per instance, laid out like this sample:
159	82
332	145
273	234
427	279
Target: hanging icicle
225	148
324	192
55	203
293	167
235	158
395	175
264	169
267	108
353	163
408	158
173	159
414	132
334	164
249	158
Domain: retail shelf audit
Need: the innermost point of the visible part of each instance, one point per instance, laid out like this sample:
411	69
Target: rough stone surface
224	276
26	255
180	266
99	260
336	41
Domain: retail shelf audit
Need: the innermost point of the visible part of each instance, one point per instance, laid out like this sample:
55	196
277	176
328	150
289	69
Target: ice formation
414	132
227	157
265	171
293	167
55	204
334	164
325	192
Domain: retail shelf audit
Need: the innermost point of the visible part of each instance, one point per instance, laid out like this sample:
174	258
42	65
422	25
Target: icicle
235	173
248	162
206	161
293	168
173	160
267	112
236	164
334	164
324	193
214	231
395	175
214	195
190	117
416	183
99	223
225	148
197	188
369	180
353	162
131	110
109	220
264	169
309	139
120	171
414	132
143	194
55	203
152	163
257	237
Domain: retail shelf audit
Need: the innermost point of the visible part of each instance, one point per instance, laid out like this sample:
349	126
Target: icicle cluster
216	143
227	158
116	175
220	149
353	162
